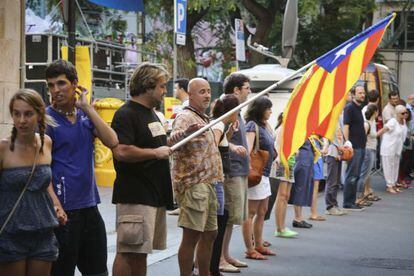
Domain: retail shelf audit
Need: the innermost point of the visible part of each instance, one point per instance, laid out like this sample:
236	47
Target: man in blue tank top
82	241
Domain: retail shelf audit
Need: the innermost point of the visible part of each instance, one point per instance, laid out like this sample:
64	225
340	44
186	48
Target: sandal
237	263
318	218
254	255
265	251
391	190
372	197
266	244
365	203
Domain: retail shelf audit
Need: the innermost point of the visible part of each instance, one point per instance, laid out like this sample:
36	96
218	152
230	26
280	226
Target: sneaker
286	234
175	212
334	211
354	208
301	224
343	211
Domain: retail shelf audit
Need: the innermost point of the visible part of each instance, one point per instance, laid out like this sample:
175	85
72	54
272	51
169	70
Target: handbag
345	153
258	160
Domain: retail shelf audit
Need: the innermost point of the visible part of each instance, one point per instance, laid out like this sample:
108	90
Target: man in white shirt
180	91
388	111
373	98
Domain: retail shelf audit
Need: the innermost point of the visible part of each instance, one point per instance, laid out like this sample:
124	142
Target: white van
375	76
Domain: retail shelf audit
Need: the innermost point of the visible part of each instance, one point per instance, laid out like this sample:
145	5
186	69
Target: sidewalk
377	241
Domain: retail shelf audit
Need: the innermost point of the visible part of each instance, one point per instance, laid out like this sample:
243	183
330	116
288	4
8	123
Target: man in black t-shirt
142	188
354	133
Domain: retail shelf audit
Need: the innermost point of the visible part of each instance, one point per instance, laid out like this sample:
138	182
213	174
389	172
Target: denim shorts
220	198
40	245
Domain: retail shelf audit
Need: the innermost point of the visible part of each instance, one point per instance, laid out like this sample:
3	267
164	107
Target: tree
402	26
264	13
213	11
325	24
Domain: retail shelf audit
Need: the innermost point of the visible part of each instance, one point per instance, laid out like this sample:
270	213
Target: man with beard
196	167
142	189
388	111
354	134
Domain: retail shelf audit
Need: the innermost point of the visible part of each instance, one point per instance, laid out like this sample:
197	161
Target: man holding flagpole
354	132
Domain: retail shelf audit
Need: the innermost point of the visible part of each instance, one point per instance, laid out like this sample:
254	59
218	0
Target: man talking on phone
82	241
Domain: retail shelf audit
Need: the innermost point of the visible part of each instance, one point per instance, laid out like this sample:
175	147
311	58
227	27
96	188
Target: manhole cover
387	263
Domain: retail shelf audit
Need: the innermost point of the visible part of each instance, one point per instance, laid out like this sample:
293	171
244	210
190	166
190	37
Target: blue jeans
367	165
220	197
353	172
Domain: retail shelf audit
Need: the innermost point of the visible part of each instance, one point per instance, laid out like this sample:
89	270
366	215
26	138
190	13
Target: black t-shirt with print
353	117
147	182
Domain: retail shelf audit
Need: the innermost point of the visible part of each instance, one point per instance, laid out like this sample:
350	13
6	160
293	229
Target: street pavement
376	241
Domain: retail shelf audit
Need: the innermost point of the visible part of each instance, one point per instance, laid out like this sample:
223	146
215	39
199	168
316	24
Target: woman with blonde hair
29	208
393	135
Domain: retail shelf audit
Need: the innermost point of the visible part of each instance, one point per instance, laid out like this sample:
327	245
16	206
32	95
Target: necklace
66	113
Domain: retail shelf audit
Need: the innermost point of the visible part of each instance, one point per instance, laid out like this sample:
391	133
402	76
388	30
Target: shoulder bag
258	160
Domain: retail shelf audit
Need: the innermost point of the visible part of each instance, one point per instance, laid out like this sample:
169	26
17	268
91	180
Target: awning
125	5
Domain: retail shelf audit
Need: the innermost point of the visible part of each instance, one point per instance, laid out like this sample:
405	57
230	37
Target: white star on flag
342	52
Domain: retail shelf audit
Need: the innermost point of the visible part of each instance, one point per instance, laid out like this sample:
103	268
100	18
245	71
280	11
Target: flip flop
318	218
265	251
228	268
254	255
237	263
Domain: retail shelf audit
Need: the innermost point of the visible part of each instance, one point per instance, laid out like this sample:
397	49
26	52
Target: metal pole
22	43
212	123
175	58
71	25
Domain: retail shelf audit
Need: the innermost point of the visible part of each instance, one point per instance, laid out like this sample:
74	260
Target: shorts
82	244
235	195
318	170
261	190
198	208
220	198
140	228
280	174
30	245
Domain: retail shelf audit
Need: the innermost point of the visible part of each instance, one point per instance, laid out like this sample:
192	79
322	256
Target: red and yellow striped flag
318	99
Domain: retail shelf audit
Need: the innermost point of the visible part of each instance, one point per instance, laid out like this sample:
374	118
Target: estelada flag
318	99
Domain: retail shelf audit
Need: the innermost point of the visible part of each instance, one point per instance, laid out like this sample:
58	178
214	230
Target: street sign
240	47
180	20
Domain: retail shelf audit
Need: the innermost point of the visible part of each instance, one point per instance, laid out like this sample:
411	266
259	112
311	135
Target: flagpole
240	106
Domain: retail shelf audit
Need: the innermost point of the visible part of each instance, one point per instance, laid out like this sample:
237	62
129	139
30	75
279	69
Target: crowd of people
50	222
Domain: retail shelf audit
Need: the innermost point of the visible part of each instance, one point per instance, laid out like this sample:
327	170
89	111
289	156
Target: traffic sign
180	20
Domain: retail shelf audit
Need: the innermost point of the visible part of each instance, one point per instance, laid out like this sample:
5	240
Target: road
376	241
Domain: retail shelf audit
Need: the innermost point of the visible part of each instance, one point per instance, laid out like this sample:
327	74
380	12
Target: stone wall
10	38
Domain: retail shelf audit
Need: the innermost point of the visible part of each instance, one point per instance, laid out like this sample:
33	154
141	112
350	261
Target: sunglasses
404	113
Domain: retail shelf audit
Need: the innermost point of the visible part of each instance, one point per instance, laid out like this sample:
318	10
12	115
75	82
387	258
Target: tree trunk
265	17
186	65
262	33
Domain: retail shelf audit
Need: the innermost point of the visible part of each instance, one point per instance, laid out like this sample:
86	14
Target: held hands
162	152
61	215
239	150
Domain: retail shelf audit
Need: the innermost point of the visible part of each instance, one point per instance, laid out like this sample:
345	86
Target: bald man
196	167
